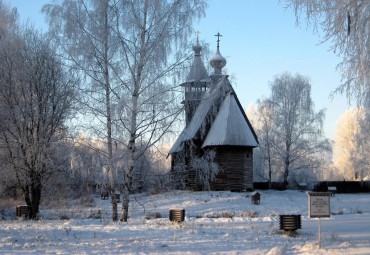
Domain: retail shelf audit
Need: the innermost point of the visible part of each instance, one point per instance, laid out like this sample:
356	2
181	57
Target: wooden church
217	123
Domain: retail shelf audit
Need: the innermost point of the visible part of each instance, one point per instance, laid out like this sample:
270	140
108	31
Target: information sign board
318	204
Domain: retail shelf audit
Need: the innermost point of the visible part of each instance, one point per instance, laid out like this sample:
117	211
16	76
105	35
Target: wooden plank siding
237	168
248	169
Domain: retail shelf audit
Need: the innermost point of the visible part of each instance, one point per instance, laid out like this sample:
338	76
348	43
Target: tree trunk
287	158
27	199
286	173
131	164
269	163
126	196
35	202
32	197
109	116
133	127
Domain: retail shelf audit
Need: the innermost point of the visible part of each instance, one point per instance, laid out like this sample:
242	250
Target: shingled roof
197	70
230	127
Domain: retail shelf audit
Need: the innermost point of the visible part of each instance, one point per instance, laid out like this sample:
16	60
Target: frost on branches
206	169
36	99
346	25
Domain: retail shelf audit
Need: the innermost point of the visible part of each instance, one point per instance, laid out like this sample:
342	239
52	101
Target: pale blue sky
260	40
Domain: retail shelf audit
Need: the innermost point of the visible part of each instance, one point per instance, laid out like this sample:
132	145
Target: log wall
237	166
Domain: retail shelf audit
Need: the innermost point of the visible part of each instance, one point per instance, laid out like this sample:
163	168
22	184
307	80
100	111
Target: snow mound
276	251
305	247
345	244
309	247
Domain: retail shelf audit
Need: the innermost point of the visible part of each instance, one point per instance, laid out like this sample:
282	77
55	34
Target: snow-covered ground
215	223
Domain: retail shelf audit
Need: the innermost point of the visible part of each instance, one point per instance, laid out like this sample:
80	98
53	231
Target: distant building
217	123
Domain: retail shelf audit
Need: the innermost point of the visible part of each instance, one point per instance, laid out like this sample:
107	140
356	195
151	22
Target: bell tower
196	83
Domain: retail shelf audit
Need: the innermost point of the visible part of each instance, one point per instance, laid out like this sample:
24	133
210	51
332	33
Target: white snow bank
215	223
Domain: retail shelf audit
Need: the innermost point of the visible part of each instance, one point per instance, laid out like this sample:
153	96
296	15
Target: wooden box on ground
332	190
290	222
302	186
177	215
104	195
22	211
255	198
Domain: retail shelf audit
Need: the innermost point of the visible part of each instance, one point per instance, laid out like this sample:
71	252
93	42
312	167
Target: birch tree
83	31
297	127
263	121
153	37
129	50
35	100
345	24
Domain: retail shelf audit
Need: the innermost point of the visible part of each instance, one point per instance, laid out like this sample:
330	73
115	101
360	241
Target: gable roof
198	118
231	126
231	123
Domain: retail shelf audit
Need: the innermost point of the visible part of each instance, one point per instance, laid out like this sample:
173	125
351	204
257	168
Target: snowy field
215	223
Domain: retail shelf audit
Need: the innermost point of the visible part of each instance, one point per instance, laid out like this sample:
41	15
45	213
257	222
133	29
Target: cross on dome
218	39
218	61
197	34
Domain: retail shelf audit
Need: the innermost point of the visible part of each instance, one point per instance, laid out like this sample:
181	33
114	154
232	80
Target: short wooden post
255	198
319	232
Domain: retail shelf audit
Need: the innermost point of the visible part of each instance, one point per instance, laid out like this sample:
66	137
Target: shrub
249	214
154	215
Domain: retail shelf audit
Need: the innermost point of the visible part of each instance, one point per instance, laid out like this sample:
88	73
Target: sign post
319	207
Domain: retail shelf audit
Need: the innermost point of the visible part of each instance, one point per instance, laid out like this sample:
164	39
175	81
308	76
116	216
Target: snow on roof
230	126
197	71
200	114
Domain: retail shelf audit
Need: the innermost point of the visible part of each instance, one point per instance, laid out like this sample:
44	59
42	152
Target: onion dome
218	61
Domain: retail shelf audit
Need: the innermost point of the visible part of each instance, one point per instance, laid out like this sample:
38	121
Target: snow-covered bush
301	176
179	172
249	214
206	169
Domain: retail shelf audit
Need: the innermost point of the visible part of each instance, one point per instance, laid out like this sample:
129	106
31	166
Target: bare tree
36	100
346	25
266	134
297	128
149	32
8	20
127	50
8	26
83	31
